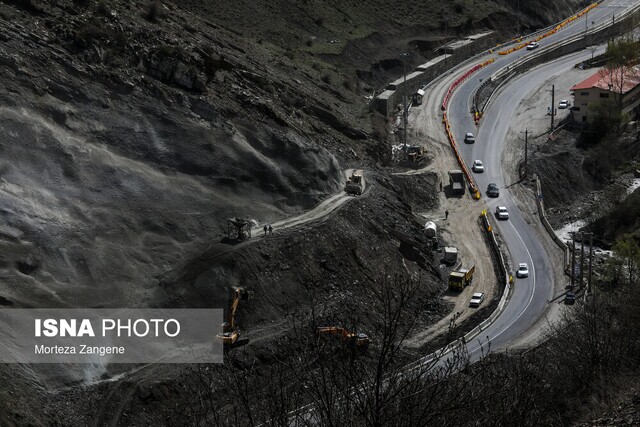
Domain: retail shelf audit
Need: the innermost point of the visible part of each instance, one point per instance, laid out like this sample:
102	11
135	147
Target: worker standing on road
270	229
265	229
446	214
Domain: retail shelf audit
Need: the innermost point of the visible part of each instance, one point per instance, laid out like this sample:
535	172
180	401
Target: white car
523	270
563	104
532	45
469	138
476	299
502	212
477	166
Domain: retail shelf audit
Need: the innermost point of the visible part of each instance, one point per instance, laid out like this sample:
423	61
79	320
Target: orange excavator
359	339
230	333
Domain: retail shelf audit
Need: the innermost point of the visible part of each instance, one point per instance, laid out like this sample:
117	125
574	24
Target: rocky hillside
133	130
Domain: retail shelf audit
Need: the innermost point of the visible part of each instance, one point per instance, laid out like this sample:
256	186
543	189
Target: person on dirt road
446	214
270	229
265	230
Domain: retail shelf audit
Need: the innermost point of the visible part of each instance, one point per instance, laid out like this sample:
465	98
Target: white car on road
502	212
523	270
477	166
563	104
476	299
532	45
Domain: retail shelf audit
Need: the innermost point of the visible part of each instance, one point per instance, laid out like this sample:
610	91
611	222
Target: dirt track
325	208
461	229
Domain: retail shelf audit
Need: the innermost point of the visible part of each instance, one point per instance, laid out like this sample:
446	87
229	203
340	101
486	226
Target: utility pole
573	259
553	103
586	25
590	260
581	259
613	24
404	102
526	146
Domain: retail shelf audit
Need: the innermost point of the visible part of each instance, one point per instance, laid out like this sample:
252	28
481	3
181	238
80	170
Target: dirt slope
132	131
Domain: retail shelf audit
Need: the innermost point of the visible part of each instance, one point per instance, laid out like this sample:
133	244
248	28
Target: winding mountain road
530	296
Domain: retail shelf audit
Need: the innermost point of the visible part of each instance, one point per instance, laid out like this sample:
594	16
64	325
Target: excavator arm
358	338
330	330
234	307
230	334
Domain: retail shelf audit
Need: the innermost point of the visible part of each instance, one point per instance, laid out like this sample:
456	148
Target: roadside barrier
473	187
505	278
547	226
553	30
456	83
477	115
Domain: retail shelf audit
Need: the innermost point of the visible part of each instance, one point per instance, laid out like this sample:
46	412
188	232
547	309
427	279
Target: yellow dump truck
459	279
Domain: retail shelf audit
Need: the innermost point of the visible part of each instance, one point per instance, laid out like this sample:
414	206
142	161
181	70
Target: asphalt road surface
531	295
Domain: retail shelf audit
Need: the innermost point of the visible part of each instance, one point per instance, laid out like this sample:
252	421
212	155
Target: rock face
125	146
174	71
127	142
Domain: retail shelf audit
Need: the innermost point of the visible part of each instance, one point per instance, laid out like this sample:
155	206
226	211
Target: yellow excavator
230	333
359	339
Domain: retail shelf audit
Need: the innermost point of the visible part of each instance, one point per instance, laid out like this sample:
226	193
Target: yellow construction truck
461	278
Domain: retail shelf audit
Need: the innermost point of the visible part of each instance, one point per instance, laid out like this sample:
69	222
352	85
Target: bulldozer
357	339
230	333
415	156
354	184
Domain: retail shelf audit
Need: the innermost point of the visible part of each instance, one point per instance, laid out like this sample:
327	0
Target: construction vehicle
430	229
461	278
230	333
354	184
416	155
357	339
456	181
238	229
450	255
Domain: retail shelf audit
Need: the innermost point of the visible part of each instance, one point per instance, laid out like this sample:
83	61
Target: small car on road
493	190
563	104
532	45
502	212
476	299
469	138
477	166
523	270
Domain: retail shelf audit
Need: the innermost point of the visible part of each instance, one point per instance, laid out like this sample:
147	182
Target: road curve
530	296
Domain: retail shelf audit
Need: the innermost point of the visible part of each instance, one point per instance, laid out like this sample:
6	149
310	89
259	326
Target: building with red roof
620	85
